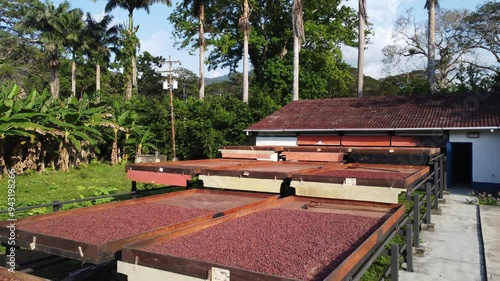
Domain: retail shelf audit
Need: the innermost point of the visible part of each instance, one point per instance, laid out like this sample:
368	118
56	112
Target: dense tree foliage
87	65
328	24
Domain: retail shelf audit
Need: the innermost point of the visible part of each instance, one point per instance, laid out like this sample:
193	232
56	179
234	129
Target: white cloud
98	16
156	43
381	16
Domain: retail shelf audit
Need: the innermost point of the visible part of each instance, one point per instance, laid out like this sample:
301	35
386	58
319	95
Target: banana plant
141	139
120	120
74	121
18	120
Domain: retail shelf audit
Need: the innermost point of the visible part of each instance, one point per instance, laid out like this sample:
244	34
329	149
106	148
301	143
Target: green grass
40	188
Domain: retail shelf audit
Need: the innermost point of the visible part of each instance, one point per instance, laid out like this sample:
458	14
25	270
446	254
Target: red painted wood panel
318	140
366	140
255	155
403	141
158	178
314	156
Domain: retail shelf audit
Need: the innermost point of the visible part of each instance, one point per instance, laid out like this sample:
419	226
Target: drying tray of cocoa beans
295	238
97	233
189	167
266	169
397	176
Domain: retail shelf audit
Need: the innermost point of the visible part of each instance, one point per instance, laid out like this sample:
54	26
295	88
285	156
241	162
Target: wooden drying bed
427	151
265	170
365	182
397	176
73	233
175	173
261	176
155	254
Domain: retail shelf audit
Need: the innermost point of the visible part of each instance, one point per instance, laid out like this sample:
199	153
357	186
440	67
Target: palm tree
298	38
361	46
72	26
198	10
46	19
130	6
245	26
104	40
431	5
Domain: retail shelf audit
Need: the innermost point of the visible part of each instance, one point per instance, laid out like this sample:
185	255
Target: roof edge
377	129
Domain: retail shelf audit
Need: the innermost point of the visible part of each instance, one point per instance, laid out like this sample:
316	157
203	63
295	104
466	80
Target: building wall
485	154
279	140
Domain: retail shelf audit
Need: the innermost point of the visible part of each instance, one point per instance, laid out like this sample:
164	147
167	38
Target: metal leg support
56	207
409	248
436	185
428	205
134	189
442	179
416	221
395	262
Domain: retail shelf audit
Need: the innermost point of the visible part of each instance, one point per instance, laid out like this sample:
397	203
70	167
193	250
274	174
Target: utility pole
170	87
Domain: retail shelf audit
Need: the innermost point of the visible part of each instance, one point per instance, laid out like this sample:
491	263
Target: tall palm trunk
134	72
431	62
246	31
128	89
131	77
73	78
202	51
361	45
97	82
54	77
97	77
296	67
298	37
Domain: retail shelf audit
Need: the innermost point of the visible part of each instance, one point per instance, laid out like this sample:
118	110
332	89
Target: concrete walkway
452	251
490	225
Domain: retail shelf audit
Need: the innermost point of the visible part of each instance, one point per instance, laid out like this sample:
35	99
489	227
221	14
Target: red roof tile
438	111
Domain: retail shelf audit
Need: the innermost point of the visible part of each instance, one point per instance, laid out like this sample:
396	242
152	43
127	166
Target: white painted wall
276	140
485	154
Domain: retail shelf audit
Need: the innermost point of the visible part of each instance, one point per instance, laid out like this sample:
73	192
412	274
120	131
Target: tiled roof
422	112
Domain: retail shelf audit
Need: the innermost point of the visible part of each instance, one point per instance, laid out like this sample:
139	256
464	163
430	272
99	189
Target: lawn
39	188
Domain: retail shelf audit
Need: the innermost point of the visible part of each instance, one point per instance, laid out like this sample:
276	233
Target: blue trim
486	187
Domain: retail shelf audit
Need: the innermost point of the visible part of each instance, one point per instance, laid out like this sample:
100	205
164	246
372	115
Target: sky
155	30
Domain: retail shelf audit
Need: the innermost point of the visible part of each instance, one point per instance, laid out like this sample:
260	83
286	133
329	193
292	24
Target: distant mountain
218	79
